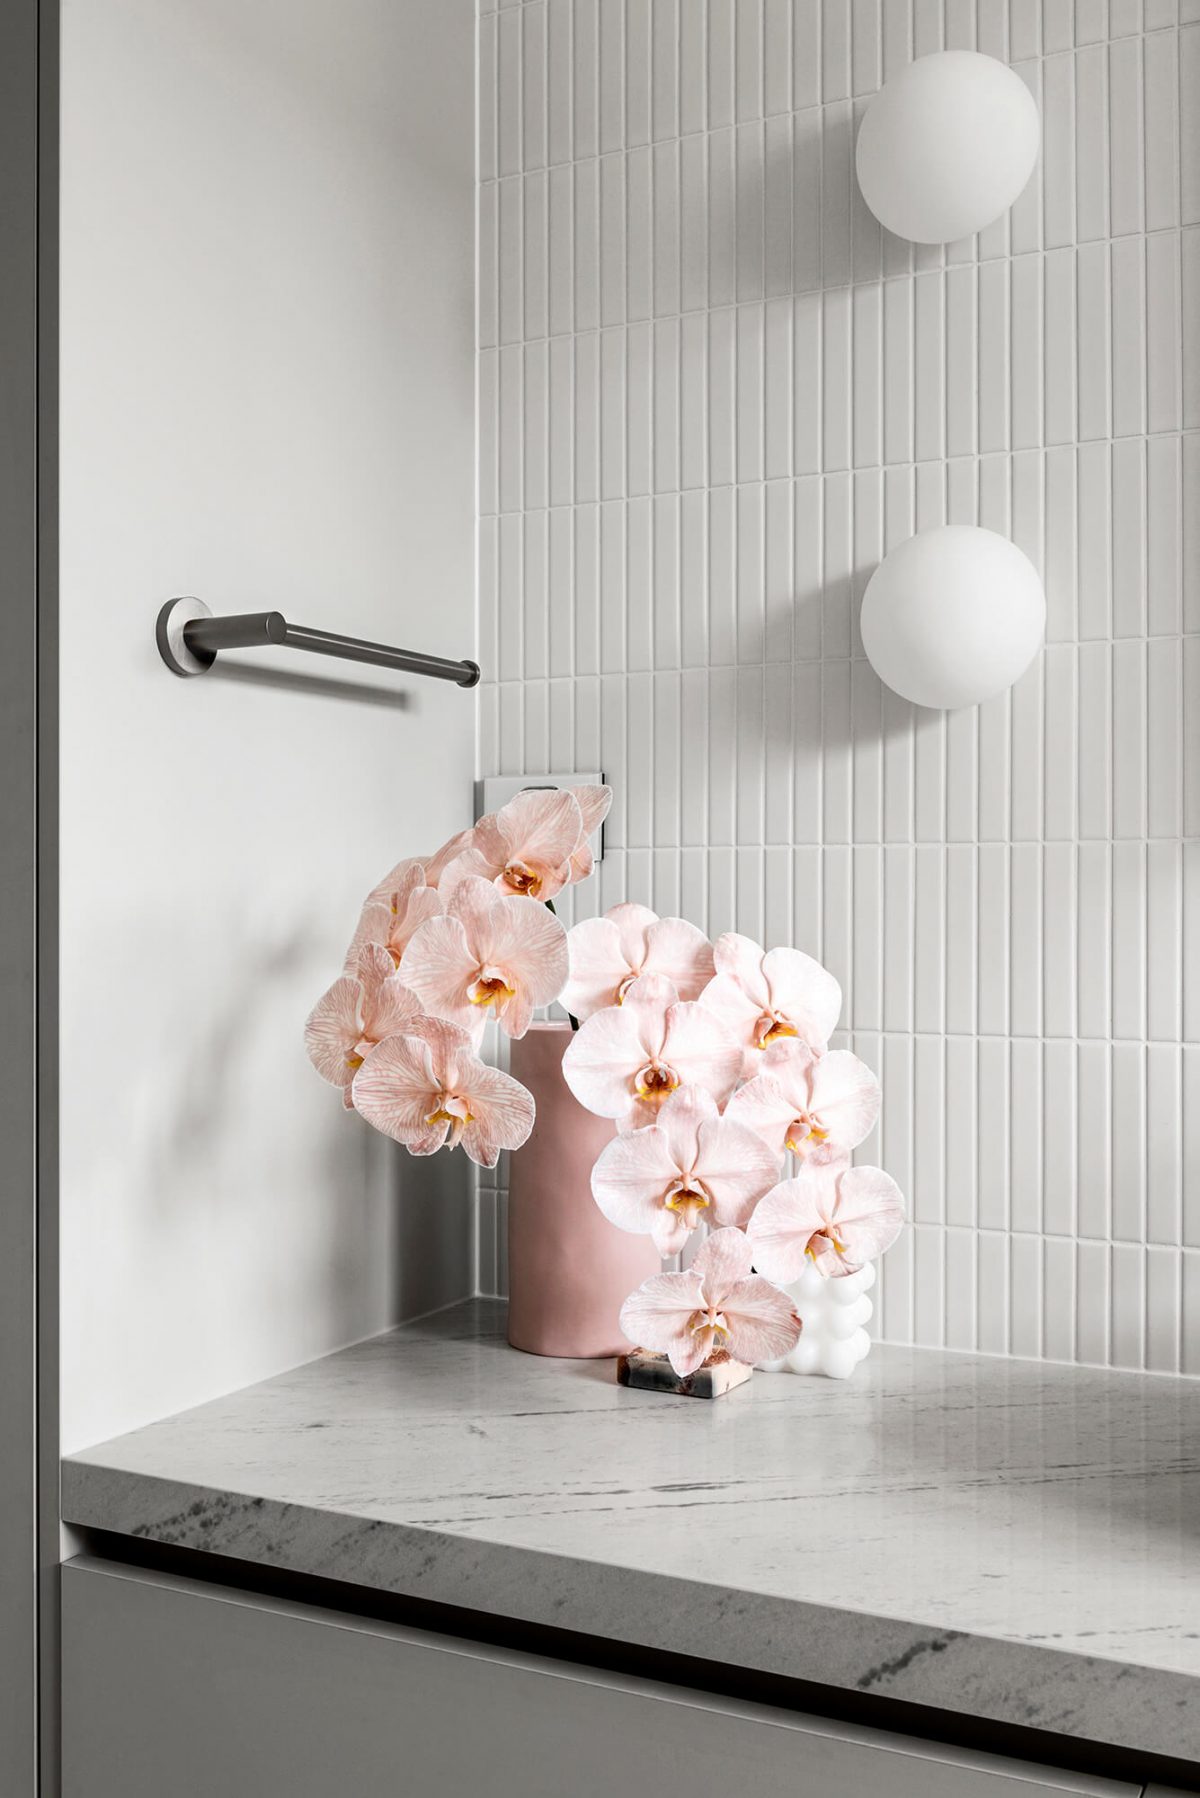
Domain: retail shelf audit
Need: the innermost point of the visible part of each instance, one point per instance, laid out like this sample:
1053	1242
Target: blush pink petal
868	1216
601	1060
608	953
334	1029
502	1113
822	1106
413	1088
681	952
436	866
391	921
657	1317
762	1322
724	1259
439	969
525	848
689	1165
593	803
394	1090
597	967
631	1176
764	998
489	952
358	1010
717	1303
841	1218
845	1098
679	1043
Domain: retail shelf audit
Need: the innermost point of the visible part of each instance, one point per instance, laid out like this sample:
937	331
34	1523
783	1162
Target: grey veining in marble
1010	1539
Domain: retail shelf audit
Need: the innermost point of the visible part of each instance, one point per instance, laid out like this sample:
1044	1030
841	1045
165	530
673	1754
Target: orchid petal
735	1167
632	1177
684	954
700	1051
439	967
741	959
395	1087
333	1031
602	1059
846	1098
724	1259
868	1217
502	1112
598	967
762	1321
805	992
656	1315
680	1118
787	1219
765	1106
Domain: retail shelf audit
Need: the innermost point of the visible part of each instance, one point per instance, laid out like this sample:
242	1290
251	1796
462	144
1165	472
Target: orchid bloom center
354	1060
521	878
830	1234
688	1202
453	1110
655	1082
491	988
633	974
771	1026
805	1132
709	1325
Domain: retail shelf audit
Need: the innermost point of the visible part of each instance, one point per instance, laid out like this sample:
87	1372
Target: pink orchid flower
819	1107
689	1166
422	1090
528	848
392	916
839	1218
487	954
761	998
608	954
593	803
717	1304
625	1061
357	1012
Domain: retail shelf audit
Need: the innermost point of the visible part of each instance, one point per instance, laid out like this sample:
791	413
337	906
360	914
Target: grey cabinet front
175	1689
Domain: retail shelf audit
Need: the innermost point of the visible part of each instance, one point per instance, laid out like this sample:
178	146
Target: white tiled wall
712	393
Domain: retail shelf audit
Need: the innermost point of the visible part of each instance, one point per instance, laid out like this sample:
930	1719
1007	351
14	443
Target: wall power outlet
497	789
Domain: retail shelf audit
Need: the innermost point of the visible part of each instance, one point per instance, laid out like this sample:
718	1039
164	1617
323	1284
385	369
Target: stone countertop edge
1099	1698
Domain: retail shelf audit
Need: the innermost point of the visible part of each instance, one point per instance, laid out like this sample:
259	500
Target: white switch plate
498	789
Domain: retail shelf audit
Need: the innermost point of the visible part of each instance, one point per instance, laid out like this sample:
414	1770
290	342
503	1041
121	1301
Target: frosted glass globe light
946	146
953	616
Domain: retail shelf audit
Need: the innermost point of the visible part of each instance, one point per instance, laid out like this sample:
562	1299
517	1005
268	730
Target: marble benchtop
1016	1541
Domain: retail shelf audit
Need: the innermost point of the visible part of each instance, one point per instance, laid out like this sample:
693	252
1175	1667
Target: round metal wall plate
168	633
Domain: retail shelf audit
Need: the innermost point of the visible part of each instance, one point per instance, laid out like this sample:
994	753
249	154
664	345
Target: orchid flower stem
572	1020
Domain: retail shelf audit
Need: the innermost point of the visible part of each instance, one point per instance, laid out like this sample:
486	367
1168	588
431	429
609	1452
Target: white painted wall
267	377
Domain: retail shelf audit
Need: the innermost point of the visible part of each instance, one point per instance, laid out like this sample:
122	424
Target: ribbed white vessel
834	1314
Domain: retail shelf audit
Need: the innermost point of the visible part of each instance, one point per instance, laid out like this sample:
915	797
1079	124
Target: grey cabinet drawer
173	1687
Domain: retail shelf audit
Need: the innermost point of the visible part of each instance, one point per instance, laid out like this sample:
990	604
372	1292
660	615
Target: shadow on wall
434	1200
317	686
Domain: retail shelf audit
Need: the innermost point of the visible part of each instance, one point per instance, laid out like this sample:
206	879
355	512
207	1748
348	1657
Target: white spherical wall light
946	146
953	616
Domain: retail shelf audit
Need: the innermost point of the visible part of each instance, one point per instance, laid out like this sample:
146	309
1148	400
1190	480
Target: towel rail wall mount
189	639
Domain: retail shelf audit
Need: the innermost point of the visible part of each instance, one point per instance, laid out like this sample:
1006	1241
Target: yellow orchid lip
655	1083
491	990
687	1203
802	1133
523	879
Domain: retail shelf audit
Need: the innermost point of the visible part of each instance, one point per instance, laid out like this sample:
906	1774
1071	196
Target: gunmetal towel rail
189	638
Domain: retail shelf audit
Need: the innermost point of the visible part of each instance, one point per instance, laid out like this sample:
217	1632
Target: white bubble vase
834	1314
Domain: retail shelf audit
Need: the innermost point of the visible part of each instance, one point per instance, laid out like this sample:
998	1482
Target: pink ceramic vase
569	1269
